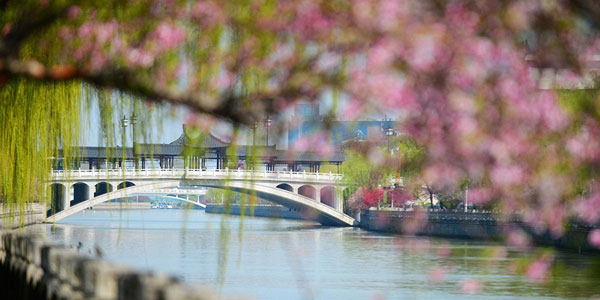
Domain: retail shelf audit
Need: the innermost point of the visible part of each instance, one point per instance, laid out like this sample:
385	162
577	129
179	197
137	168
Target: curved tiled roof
208	141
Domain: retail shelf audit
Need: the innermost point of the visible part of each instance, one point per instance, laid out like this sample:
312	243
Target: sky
173	117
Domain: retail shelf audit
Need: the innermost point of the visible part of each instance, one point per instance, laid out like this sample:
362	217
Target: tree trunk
430	196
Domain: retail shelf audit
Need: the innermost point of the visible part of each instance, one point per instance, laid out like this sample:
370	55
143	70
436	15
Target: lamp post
389	132
253	152
125	122
254	126
136	154
268	123
467	197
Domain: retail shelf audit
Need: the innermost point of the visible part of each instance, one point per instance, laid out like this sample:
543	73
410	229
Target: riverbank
471	225
14	217
35	268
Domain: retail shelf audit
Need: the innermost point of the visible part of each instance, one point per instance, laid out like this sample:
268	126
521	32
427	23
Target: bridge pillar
66	202
91	190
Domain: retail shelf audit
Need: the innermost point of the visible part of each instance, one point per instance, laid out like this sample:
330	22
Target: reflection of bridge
316	196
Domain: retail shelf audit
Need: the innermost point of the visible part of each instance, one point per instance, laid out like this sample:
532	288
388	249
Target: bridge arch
102	188
81	192
345	198
327	196
58	196
308	191
285	186
125	184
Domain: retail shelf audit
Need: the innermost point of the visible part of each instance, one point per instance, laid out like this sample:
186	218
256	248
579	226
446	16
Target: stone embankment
18	216
470	225
34	268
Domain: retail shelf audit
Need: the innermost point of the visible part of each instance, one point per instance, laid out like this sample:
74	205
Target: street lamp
389	132
268	123
125	122
254	126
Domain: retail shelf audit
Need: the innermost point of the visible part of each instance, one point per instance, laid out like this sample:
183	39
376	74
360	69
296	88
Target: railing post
304	174
329	175
265	173
317	175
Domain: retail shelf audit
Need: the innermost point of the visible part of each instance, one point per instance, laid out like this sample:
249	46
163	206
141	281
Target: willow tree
457	75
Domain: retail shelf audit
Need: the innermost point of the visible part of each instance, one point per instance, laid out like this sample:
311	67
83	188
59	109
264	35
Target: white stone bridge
316	196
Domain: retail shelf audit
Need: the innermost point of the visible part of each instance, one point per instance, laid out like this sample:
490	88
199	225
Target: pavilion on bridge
205	151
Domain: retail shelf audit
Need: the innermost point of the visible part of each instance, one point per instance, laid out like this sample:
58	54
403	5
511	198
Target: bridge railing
191	173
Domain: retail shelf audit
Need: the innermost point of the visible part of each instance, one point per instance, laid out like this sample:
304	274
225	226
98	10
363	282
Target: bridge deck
60	175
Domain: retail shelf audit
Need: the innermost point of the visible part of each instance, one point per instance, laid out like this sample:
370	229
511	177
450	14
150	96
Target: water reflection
286	259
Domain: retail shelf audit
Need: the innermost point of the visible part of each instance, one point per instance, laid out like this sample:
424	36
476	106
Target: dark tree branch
30	22
227	106
589	9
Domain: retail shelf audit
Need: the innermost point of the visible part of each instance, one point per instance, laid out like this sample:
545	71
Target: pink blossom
74	12
585	145
588	209
437	275
210	13
480	195
507	175
424	52
470	286
352	109
390	13
594	238
6	29
98	60
444	250
137	57
105	31
518	238
169	35
85	29
415	223
380	56
538	270
328	61
310	20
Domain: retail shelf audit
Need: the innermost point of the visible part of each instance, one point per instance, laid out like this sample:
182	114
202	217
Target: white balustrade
223	173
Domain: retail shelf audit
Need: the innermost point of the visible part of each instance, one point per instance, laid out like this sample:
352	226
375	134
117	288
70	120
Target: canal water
285	259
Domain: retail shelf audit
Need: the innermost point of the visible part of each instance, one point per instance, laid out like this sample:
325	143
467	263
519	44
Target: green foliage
359	172
36	120
411	157
581	103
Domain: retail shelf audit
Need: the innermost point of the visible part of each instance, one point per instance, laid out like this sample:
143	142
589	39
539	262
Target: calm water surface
285	259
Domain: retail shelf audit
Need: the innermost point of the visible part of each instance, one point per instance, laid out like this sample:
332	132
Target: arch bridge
316	196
